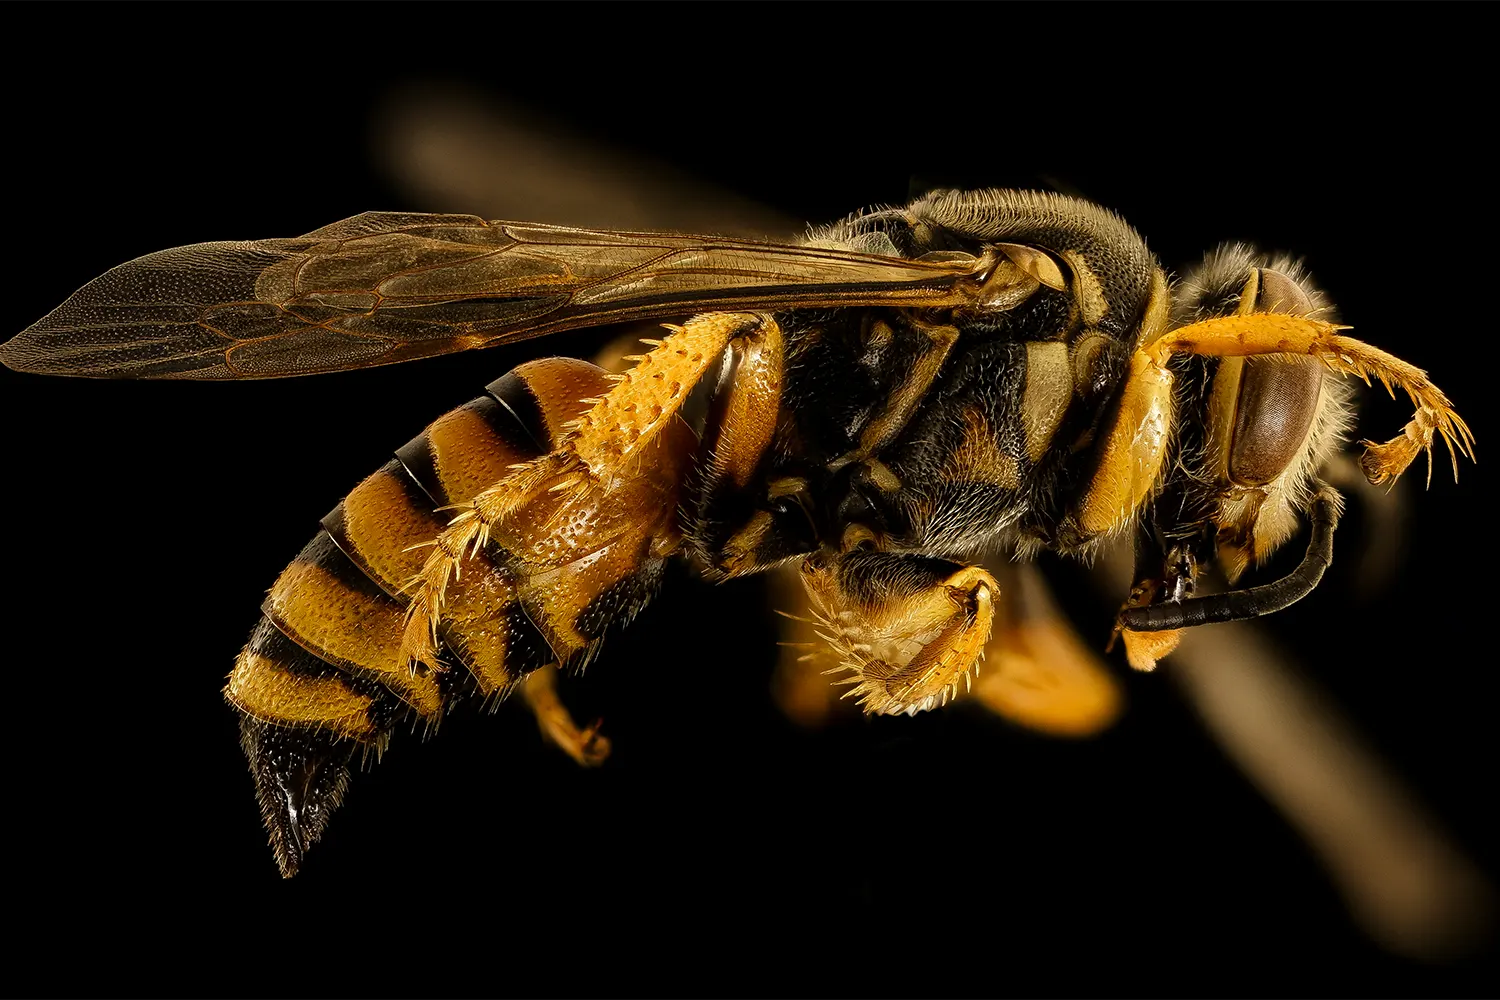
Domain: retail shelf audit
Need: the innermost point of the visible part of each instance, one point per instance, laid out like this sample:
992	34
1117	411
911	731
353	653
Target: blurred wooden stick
1402	879
456	150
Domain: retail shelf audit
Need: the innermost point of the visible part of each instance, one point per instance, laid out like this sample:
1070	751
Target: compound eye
1277	404
1279	294
1278	397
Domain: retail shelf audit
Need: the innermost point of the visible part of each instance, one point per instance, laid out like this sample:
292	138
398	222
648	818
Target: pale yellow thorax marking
1049	389
1087	292
1088	354
1133	450
1158	315
1135	445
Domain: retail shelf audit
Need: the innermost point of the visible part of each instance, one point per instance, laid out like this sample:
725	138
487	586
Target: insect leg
586	746
1253	431
742	412
736	527
1132	452
1274	333
909	629
1038	672
585	529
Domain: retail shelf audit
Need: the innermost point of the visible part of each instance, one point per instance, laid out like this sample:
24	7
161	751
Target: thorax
945	434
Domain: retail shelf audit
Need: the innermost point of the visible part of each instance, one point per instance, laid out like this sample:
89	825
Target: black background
721	849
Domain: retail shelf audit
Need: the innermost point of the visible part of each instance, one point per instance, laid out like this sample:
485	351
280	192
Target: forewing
386	287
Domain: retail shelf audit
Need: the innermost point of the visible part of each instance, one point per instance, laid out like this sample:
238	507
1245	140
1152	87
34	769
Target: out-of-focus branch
1404	881
458	151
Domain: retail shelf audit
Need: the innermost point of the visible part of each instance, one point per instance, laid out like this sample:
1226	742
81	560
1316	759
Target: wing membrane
386	287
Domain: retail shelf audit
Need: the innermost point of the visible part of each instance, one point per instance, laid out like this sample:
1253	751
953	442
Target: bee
884	405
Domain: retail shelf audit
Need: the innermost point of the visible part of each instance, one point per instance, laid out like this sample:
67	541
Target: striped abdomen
323	674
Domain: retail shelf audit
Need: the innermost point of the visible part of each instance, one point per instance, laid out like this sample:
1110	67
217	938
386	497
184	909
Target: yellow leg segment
586	746
1271	333
1039	672
908	640
557	509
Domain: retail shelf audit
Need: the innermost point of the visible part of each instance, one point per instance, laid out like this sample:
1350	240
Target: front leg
1262	334
908	629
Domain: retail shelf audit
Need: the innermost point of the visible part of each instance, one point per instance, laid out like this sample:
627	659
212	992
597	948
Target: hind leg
584	530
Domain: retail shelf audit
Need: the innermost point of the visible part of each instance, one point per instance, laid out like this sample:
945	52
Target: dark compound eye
1277	403
1278	397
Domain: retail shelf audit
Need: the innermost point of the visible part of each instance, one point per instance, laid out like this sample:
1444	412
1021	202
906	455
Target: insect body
904	393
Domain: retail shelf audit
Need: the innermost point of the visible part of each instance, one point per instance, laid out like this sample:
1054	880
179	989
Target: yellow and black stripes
323	672
277	681
384	524
328	607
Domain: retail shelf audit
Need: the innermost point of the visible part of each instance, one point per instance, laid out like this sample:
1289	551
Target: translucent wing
386	287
